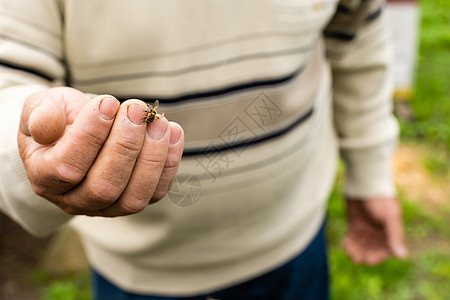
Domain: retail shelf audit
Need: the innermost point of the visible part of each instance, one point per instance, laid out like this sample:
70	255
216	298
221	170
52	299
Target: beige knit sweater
267	92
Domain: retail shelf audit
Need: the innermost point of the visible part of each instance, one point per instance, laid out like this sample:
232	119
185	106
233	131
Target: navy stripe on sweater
248	142
25	69
345	36
218	92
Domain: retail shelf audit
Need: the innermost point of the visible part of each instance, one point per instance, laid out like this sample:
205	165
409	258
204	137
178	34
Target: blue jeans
303	278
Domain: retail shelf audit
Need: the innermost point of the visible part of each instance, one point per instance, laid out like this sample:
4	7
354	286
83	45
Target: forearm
368	131
31	52
365	124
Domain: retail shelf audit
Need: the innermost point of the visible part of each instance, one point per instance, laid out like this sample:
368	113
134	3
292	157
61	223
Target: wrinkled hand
375	230
94	156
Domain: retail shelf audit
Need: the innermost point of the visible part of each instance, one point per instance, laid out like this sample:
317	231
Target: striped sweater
269	93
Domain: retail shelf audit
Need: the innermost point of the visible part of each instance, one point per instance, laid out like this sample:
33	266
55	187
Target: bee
152	113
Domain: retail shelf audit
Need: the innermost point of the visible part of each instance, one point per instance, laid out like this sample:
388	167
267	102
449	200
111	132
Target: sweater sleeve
359	48
30	60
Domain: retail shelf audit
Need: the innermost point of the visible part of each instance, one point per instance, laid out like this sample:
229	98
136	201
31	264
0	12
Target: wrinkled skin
96	156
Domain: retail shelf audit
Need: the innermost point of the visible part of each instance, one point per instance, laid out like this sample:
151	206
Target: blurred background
55	268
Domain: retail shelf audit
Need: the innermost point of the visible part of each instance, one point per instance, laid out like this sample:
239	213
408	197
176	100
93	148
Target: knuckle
67	207
128	147
153	160
166	180
70	210
92	137
102	194
38	189
158	195
164	186
133	205
162	190
171	165
64	172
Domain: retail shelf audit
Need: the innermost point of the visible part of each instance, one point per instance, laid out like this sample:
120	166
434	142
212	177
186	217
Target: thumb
43	117
46	114
47	123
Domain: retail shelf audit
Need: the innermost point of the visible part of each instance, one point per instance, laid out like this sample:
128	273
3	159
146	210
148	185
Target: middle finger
147	171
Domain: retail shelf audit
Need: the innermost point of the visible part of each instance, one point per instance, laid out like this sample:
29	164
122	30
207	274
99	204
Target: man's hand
375	230
94	156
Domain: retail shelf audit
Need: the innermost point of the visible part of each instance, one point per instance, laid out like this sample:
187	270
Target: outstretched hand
375	230
96	156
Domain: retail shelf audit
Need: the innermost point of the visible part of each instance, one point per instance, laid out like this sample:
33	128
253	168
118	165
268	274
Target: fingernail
108	108
136	114
157	129
175	133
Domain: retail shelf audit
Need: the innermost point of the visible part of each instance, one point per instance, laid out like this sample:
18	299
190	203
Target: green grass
71	287
431	100
426	273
